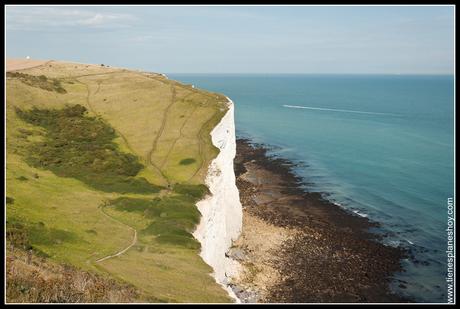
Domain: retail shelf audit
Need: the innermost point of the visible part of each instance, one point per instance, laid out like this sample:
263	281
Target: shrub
195	191
83	147
41	81
27	235
34	279
187	161
172	218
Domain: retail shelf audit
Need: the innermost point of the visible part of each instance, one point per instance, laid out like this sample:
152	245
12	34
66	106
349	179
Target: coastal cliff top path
104	168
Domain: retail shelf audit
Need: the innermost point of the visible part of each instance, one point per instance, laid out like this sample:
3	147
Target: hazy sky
270	39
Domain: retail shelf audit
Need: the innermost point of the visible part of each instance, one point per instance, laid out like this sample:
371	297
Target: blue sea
381	146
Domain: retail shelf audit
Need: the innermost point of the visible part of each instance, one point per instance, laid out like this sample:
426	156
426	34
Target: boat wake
338	110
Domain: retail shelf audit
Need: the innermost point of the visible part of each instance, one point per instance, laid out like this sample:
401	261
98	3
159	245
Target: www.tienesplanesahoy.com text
450	279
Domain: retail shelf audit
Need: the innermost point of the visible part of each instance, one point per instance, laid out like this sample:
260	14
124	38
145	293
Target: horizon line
297	73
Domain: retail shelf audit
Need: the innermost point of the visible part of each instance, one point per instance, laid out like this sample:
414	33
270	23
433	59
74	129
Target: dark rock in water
333	256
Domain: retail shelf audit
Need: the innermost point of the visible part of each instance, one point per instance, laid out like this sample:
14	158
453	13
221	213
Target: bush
172	218
26	235
195	191
35	279
41	81
187	161
82	147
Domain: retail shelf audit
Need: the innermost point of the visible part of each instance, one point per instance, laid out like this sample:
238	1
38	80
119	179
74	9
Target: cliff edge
221	211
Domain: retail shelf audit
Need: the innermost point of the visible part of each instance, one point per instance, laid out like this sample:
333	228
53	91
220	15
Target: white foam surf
360	213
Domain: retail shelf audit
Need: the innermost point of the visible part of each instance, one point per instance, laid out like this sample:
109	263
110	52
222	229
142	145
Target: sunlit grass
66	208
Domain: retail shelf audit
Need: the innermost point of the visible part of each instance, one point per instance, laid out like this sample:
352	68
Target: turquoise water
381	146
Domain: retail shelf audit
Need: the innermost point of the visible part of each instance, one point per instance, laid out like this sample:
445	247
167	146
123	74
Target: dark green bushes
43	82
82	147
187	161
23	234
131	204
173	218
194	191
16	234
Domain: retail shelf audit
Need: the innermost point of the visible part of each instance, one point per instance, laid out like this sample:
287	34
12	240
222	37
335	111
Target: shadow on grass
172	218
27	235
83	147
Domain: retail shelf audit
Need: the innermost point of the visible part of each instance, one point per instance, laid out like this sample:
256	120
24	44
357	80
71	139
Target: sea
381	146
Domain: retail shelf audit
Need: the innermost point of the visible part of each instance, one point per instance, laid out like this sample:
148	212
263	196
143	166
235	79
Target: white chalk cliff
222	214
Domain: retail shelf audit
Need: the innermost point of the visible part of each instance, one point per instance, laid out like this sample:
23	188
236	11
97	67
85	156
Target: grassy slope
162	122
35	279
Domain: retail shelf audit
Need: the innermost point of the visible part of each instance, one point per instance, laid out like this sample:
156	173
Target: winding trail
91	108
27	68
133	242
181	134
201	141
149	159
160	132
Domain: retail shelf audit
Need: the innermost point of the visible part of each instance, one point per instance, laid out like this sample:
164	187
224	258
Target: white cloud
57	18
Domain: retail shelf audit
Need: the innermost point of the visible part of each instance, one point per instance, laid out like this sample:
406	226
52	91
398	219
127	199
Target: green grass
171	219
196	192
38	234
82	147
41	81
112	115
34	278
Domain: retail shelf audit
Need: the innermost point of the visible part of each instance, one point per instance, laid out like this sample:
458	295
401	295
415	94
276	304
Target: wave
360	213
410	242
339	110
355	211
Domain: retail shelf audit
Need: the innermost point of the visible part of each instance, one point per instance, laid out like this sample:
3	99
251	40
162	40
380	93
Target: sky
239	39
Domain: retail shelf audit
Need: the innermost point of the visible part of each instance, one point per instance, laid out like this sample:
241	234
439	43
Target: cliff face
221	212
145	111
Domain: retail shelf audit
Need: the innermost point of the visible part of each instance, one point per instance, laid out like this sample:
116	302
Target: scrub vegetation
171	219
34	279
79	146
102	181
41	81
187	161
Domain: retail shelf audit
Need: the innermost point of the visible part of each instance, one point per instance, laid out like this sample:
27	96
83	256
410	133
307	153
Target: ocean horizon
309	74
378	145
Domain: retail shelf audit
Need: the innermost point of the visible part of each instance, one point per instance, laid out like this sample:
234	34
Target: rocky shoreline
297	247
